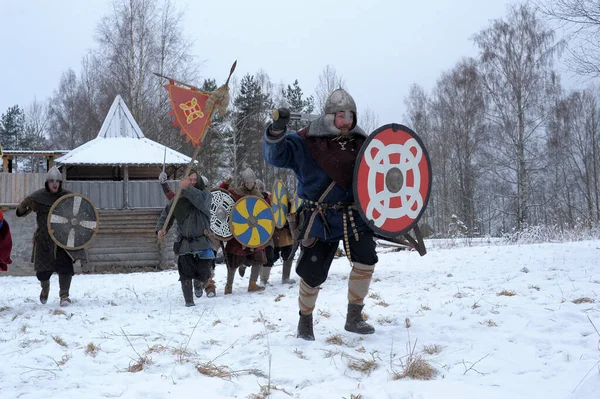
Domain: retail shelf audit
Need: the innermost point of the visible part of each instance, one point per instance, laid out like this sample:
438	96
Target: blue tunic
291	152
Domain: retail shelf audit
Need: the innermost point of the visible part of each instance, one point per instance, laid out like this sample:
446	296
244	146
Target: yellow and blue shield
279	203
252	222
296	203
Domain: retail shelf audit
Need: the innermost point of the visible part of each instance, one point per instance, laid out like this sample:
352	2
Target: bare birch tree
516	60
459	100
328	82
581	21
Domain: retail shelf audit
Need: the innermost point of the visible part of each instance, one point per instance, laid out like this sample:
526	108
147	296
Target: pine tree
252	108
12	129
296	103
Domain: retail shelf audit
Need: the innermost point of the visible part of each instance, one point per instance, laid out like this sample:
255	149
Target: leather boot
253	287
188	295
305	327
285	274
228	289
264	275
45	291
64	285
198	285
355	322
210	288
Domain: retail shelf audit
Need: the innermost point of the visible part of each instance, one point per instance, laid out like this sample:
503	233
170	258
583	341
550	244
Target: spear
196	151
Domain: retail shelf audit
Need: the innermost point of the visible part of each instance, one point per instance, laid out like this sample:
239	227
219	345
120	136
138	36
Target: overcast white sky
379	47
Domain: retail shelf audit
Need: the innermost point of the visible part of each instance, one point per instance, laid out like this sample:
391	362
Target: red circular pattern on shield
392	180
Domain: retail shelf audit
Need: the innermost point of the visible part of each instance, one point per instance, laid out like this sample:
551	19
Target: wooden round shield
221	205
252	222
296	203
279	203
73	221
392	180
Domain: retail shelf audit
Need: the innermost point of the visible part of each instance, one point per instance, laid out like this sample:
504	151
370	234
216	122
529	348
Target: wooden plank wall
104	194
16	186
126	242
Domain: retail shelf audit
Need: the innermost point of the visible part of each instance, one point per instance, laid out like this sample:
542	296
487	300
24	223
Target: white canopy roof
121	142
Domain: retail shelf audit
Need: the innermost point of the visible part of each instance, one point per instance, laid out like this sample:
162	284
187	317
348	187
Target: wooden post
126	187
5	164
64	173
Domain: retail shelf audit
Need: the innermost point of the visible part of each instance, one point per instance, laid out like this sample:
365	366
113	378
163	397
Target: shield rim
218	237
279	205
395	127
51	230
272	217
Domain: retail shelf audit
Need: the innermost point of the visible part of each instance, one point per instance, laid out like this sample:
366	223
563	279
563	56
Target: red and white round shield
392	180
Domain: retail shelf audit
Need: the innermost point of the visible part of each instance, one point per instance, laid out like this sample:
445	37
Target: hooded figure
209	287
47	257
192	244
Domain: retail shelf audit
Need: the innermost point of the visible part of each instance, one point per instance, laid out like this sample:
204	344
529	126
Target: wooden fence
15	186
104	194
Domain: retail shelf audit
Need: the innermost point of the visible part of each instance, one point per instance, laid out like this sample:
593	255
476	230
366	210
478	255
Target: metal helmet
260	185
205	180
54	174
339	100
248	176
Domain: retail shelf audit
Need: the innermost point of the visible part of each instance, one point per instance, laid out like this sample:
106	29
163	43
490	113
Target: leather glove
283	118
228	179
162	178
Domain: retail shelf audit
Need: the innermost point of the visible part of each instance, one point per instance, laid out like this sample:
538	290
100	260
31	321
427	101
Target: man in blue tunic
323	156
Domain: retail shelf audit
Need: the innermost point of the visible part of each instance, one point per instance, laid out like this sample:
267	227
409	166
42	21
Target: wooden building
118	171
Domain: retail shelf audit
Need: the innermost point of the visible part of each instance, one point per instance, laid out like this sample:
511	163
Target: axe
296	116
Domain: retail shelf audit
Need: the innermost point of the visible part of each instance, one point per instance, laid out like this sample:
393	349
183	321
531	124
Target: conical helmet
339	101
260	185
54	174
248	176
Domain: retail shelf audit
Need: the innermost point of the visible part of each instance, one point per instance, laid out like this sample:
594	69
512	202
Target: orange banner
189	107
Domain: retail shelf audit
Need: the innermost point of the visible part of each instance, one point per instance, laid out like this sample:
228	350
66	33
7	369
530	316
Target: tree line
509	146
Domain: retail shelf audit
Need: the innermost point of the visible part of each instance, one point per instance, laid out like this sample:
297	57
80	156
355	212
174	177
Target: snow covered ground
129	336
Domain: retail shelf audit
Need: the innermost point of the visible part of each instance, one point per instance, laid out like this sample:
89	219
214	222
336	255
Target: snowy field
493	321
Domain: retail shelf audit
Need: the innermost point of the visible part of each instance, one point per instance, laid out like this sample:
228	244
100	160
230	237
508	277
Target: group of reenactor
196	246
322	156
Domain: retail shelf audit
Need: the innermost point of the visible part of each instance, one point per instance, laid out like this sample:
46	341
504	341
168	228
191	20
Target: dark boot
198	285
305	327
45	291
188	295
242	270
64	285
355	322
